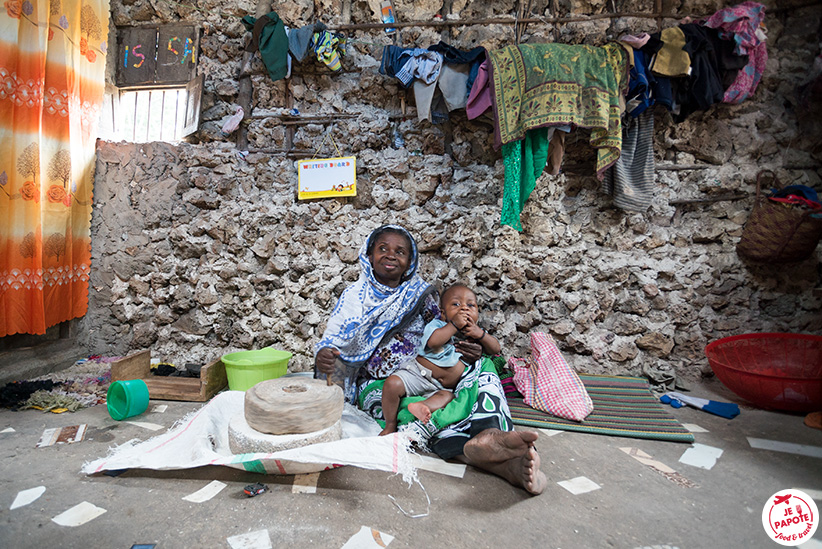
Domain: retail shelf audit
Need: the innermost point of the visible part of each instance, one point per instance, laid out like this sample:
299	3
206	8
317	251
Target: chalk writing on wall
157	55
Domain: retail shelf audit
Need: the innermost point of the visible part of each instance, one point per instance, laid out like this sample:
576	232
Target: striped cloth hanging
631	179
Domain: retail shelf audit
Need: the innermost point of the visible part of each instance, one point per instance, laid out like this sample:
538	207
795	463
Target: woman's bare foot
389	428
420	411
510	455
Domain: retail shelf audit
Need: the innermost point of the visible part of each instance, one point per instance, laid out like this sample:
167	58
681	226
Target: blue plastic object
727	410
665	399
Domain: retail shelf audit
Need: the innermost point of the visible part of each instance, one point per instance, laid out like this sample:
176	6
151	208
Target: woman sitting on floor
377	325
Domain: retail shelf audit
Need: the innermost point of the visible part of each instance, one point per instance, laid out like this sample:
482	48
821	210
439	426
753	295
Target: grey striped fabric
631	180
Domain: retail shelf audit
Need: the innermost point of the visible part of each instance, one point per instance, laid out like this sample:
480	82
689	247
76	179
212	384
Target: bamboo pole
246	91
657	14
288	119
499	21
709	200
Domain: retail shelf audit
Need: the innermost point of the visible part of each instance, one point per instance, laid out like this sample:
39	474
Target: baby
438	367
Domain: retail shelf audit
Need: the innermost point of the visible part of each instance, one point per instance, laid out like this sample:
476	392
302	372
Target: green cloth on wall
524	161
539	85
269	38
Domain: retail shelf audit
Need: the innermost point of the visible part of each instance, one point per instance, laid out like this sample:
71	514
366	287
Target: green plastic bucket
245	369
127	398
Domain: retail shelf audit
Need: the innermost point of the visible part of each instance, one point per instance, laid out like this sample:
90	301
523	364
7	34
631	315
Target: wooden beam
683	167
246	92
302	119
709	200
506	21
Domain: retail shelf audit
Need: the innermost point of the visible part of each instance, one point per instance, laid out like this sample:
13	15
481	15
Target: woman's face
390	257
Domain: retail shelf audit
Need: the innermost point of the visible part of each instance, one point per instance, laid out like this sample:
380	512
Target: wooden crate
138	366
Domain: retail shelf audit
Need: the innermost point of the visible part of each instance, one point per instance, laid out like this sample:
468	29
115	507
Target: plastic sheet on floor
701	455
206	492
368	538
24	497
79	514
579	485
201	438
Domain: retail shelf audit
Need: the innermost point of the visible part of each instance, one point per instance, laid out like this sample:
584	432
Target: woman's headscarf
368	311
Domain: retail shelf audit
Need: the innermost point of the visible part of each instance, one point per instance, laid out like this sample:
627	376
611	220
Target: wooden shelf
138	366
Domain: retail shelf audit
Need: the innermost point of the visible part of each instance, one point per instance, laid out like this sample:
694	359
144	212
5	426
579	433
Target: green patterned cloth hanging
543	85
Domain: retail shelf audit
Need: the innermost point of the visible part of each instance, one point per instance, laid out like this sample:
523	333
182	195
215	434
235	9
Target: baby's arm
441	336
489	343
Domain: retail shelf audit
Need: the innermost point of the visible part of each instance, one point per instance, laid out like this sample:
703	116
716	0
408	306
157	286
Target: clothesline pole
346	11
710	200
290	131
245	89
658	9
500	21
658	14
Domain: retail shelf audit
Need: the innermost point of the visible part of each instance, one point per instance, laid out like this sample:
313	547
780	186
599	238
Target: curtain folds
52	71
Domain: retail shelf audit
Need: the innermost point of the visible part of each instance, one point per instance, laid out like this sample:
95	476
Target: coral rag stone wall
198	251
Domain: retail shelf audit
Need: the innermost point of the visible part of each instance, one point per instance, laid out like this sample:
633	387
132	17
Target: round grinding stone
243	439
290	405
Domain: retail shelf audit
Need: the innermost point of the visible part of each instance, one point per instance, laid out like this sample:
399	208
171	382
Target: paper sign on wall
327	177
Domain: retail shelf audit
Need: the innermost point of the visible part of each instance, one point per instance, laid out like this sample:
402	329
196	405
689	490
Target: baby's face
460	300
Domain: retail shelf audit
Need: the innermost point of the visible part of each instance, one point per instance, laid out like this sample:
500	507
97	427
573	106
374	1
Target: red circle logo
790	517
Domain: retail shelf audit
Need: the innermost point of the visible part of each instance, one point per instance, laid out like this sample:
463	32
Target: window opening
158	93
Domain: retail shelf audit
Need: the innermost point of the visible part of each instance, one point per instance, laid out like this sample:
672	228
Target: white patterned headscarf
369	311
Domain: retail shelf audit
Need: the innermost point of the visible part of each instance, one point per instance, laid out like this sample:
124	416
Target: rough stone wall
197	251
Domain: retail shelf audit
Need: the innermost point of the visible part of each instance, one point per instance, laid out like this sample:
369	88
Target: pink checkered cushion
548	383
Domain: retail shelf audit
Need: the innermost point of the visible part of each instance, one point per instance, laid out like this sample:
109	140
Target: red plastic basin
771	370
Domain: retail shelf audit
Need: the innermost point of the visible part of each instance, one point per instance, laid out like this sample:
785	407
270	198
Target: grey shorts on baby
417	379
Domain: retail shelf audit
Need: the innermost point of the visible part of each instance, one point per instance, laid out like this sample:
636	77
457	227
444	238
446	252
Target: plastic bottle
388	15
399	142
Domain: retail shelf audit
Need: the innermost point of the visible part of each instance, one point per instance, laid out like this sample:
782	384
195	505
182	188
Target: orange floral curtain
52	70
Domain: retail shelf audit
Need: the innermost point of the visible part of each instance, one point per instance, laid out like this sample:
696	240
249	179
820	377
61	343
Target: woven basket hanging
777	232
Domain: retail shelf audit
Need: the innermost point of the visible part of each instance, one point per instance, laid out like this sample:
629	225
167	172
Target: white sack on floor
201	438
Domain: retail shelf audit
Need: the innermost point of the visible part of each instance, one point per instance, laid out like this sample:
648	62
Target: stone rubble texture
198	252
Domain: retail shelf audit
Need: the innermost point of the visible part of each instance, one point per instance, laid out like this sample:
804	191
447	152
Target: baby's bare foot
420	411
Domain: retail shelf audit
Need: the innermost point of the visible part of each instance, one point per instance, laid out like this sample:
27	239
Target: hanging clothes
393	59
453	56
422	64
743	24
524	162
635	41
300	40
269	38
480	99
406	64
328	47
640	84
631	179
543	85
449	88
49	108
671	59
703	87
539	85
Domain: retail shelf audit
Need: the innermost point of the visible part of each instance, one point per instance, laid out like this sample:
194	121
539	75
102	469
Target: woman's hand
324	361
470	350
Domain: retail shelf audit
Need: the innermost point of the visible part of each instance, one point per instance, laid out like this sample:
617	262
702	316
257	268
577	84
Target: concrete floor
635	506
